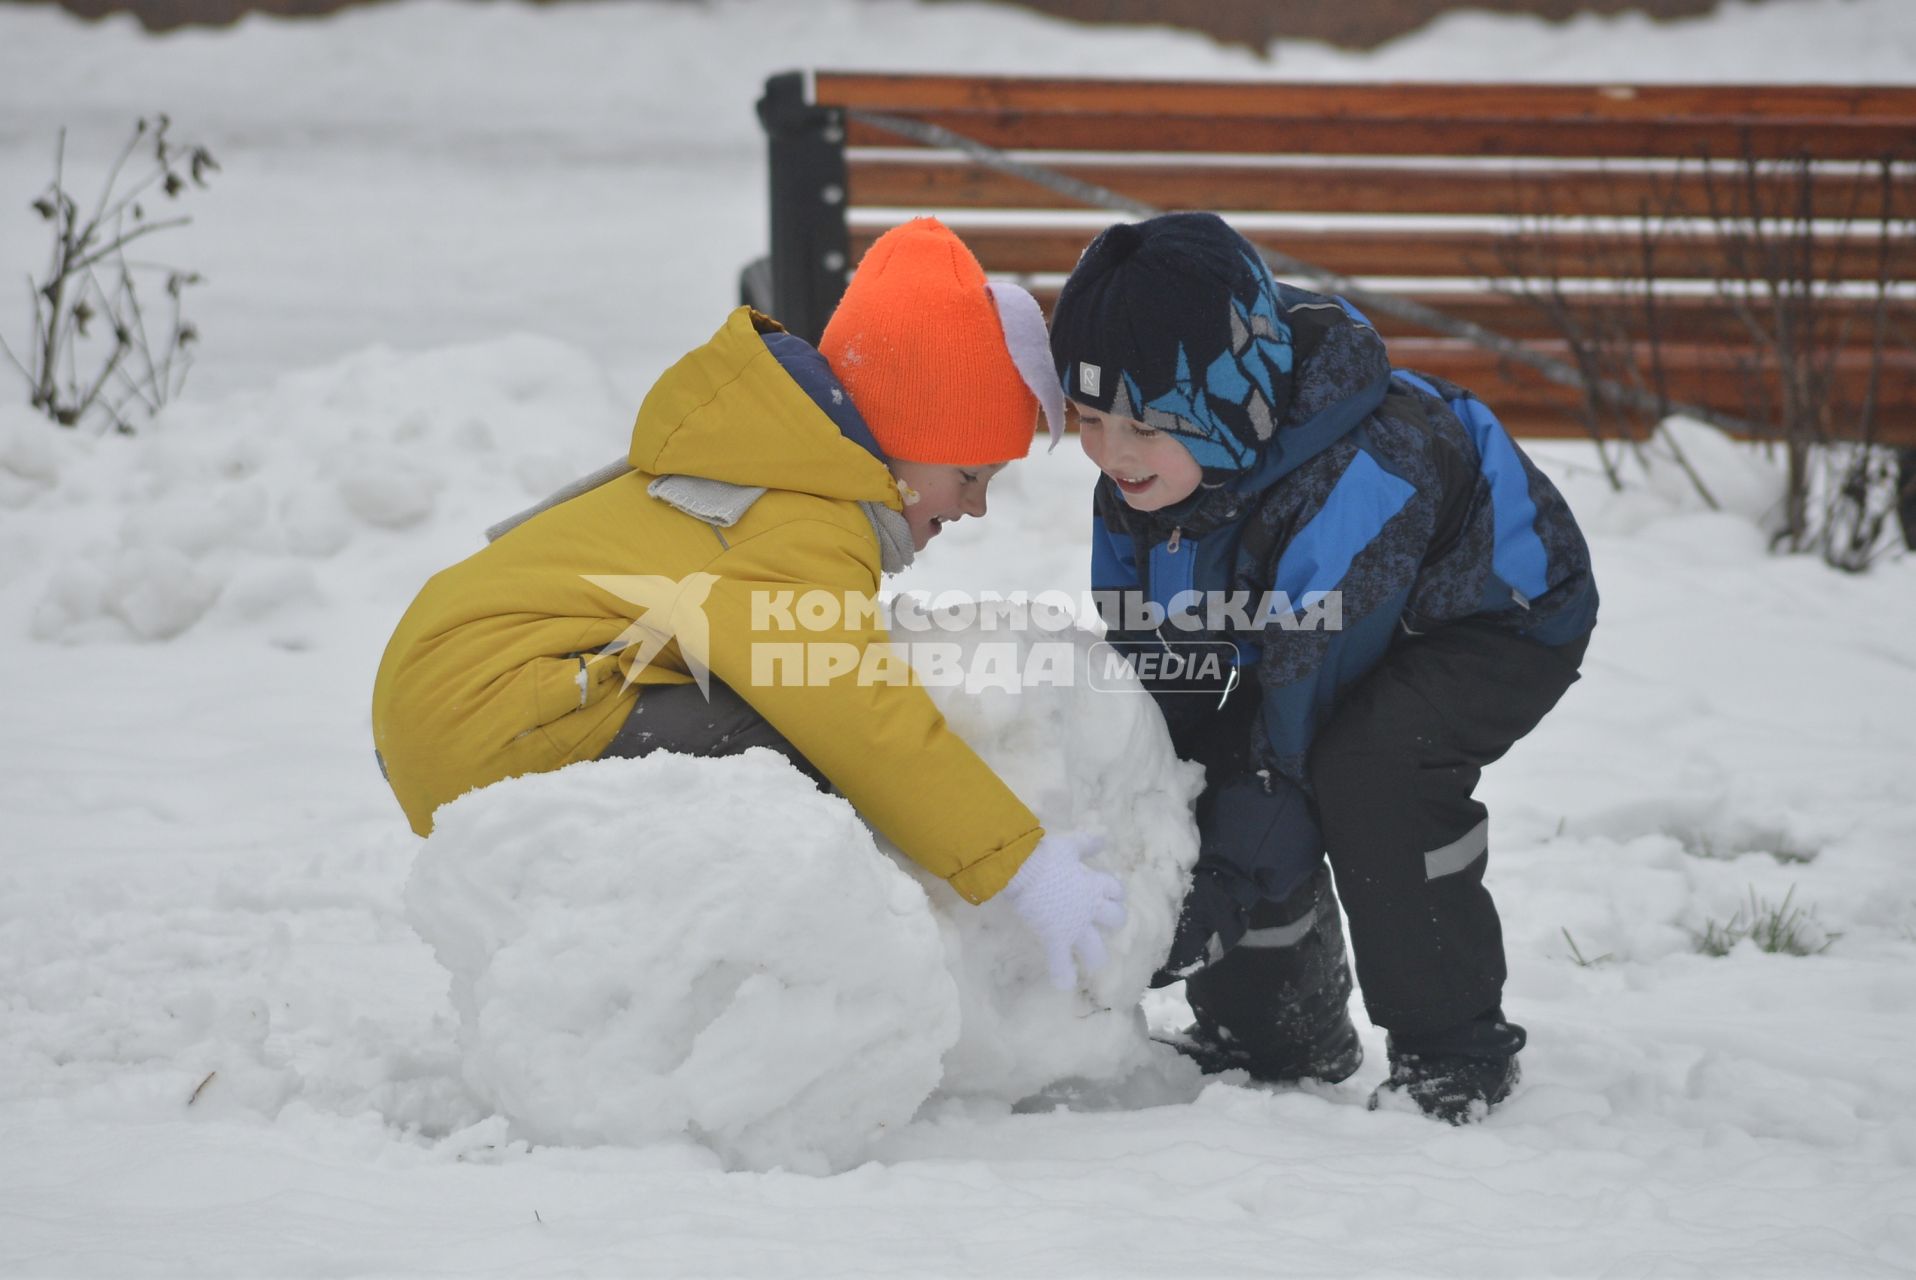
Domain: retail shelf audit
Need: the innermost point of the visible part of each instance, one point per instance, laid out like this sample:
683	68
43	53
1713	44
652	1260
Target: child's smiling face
943	493
1151	469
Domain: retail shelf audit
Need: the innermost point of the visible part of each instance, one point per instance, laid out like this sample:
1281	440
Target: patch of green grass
1576	953
1780	929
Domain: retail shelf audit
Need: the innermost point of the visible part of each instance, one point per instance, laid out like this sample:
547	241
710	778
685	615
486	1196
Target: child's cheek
1179	470
1089	441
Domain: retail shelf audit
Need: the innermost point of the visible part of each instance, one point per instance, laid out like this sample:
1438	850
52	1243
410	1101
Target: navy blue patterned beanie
1174	322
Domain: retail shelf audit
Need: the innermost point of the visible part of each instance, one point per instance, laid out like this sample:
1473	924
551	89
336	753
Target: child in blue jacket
1400	594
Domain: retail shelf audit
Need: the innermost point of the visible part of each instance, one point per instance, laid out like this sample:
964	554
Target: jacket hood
756	406
1342	374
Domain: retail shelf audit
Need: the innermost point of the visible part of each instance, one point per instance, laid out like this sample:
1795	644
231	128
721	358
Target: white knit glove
1064	902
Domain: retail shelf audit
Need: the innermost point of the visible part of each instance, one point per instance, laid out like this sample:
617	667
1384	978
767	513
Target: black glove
1212	922
1257	839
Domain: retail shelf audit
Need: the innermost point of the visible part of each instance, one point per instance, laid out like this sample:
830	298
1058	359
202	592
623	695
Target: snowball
74	596
388	489
158	592
647	949
643	949
198	523
1085	754
19	551
147	593
314	523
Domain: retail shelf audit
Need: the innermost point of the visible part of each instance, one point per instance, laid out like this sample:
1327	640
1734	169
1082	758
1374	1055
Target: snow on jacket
1371	487
496	669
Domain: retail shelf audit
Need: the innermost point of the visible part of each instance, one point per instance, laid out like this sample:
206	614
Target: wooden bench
1529	211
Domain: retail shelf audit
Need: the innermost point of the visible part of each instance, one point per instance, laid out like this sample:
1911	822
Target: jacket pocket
560	685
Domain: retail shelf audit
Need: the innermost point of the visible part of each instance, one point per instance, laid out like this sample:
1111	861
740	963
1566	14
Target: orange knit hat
943	366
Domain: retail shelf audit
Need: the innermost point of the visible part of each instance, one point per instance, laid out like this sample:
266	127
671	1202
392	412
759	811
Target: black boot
1278	1005
1456	1075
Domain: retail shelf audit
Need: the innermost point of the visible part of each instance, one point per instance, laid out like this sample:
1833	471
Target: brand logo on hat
1090	378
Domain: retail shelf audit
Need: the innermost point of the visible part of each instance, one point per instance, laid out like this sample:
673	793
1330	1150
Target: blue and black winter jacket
1401	494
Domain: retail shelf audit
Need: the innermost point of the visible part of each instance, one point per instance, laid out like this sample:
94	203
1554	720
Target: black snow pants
1393	773
677	717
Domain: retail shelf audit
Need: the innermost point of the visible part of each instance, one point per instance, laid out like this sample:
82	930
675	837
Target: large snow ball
675	946
1086	750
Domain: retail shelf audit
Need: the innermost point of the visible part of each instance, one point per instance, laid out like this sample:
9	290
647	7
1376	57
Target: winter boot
1278	1005
1455	1075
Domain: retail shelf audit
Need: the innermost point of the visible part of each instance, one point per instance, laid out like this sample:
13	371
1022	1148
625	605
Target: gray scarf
720	505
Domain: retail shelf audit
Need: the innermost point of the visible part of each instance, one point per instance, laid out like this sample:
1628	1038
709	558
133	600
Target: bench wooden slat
1701	361
1679	318
1696	320
1715	376
1205	100
1563	424
1560	422
926	181
1421	135
1445	254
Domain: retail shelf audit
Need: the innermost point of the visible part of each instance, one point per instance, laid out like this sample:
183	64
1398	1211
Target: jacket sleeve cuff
1265	842
983	879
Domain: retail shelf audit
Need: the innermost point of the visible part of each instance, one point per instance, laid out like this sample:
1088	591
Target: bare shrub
100	352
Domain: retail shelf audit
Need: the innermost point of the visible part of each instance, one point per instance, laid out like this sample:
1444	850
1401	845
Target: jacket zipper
1170	549
1171	546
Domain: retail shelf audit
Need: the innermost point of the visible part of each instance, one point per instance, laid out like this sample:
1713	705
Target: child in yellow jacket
624	618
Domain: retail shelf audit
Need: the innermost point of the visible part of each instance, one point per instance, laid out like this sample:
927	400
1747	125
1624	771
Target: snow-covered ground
224	1048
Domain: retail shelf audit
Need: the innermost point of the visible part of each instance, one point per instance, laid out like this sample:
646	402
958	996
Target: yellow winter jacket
493	670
